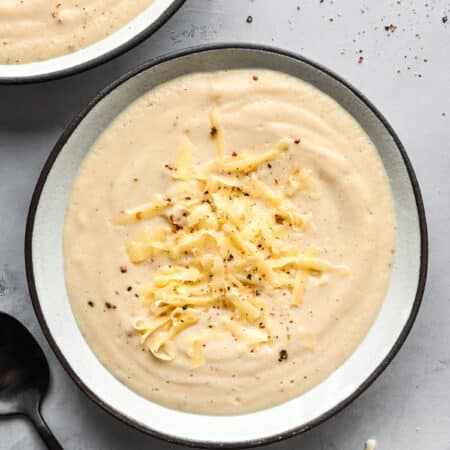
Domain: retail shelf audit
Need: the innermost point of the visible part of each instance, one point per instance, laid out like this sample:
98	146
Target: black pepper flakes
249	19
123	269
213	132
445	19
390	27
91	303
110	305
283	356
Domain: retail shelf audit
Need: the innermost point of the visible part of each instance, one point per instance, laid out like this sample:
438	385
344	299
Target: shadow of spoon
24	376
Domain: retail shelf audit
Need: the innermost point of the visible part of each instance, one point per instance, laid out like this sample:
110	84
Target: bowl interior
45	263
114	43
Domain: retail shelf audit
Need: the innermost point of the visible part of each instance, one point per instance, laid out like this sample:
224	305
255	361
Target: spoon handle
43	429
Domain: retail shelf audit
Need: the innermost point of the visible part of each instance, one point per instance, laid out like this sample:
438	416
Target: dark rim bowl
44	259
123	39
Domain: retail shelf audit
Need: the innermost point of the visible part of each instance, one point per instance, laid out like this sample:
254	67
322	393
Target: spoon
24	376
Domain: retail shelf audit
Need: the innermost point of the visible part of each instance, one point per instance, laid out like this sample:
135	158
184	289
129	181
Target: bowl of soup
42	40
227	247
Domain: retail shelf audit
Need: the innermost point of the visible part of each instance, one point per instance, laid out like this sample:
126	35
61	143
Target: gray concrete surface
405	72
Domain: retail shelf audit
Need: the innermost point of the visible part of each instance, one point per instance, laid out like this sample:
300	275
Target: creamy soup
228	241
37	30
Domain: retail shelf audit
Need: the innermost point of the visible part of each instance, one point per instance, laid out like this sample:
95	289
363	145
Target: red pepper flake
360	59
234	154
168	166
213	132
91	303
255	78
139	215
279	219
123	269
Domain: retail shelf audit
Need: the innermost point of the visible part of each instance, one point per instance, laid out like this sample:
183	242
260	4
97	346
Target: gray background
406	73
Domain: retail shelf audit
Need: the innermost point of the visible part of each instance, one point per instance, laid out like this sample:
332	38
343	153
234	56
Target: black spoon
24	376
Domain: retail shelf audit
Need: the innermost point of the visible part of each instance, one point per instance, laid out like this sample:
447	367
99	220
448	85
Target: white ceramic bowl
116	43
44	261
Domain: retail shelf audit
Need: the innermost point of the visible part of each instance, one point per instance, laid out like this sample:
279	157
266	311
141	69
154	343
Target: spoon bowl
24	376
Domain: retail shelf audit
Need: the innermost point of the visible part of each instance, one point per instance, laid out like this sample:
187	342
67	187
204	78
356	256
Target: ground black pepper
390	27
283	355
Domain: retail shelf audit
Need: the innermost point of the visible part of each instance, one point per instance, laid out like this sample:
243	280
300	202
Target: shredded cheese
183	164
231	242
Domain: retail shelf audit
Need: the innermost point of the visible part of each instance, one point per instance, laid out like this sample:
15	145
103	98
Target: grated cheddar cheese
227	235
